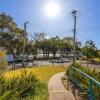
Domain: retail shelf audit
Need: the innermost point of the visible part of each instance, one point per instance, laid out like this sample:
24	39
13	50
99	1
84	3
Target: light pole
74	15
24	40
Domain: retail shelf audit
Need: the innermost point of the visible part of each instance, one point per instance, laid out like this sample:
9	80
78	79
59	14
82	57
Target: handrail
89	77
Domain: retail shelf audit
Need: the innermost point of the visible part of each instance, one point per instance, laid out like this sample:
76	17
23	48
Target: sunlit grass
42	73
96	59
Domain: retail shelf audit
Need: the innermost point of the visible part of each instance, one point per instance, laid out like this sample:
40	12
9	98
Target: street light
24	39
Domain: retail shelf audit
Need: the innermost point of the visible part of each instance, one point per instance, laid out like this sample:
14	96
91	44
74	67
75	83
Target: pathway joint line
58	91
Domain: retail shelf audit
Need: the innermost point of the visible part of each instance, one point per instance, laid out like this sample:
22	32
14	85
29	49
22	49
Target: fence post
91	90
52	64
81	63
87	65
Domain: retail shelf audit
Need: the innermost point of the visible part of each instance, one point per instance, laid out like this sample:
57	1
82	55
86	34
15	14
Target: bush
3	63
24	87
96	60
82	80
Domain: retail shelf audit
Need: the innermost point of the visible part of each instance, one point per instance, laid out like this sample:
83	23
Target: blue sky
88	23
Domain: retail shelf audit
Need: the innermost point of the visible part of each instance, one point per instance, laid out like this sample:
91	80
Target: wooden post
81	63
87	65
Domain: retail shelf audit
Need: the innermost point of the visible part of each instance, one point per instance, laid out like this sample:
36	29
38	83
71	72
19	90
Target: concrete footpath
57	90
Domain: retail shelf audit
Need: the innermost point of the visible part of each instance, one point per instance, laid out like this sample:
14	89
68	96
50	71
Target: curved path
57	90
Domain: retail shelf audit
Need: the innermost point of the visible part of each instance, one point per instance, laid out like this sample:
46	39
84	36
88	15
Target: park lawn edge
42	73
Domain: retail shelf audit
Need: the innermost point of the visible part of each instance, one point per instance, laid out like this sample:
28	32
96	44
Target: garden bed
81	83
27	84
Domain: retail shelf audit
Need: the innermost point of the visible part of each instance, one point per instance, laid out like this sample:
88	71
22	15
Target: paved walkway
57	90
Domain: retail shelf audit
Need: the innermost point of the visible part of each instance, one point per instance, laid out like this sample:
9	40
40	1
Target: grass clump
23	87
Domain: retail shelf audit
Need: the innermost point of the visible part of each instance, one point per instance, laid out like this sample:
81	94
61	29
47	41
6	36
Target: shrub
82	80
96	60
3	63
24	87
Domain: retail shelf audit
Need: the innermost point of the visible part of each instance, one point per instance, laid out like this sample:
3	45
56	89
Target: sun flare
52	9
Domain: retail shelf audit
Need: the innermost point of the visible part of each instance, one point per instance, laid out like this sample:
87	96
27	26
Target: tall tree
54	45
68	41
90	49
10	34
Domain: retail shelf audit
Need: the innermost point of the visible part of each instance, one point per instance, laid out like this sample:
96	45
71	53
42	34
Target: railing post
91	90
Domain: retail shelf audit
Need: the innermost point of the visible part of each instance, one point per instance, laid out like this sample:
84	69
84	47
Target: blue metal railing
92	80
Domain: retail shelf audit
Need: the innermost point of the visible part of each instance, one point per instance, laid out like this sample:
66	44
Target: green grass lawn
96	59
42	73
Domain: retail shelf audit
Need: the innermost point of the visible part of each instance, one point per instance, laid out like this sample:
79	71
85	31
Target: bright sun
52	9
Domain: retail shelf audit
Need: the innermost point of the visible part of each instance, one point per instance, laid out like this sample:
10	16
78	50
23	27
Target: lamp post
24	40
